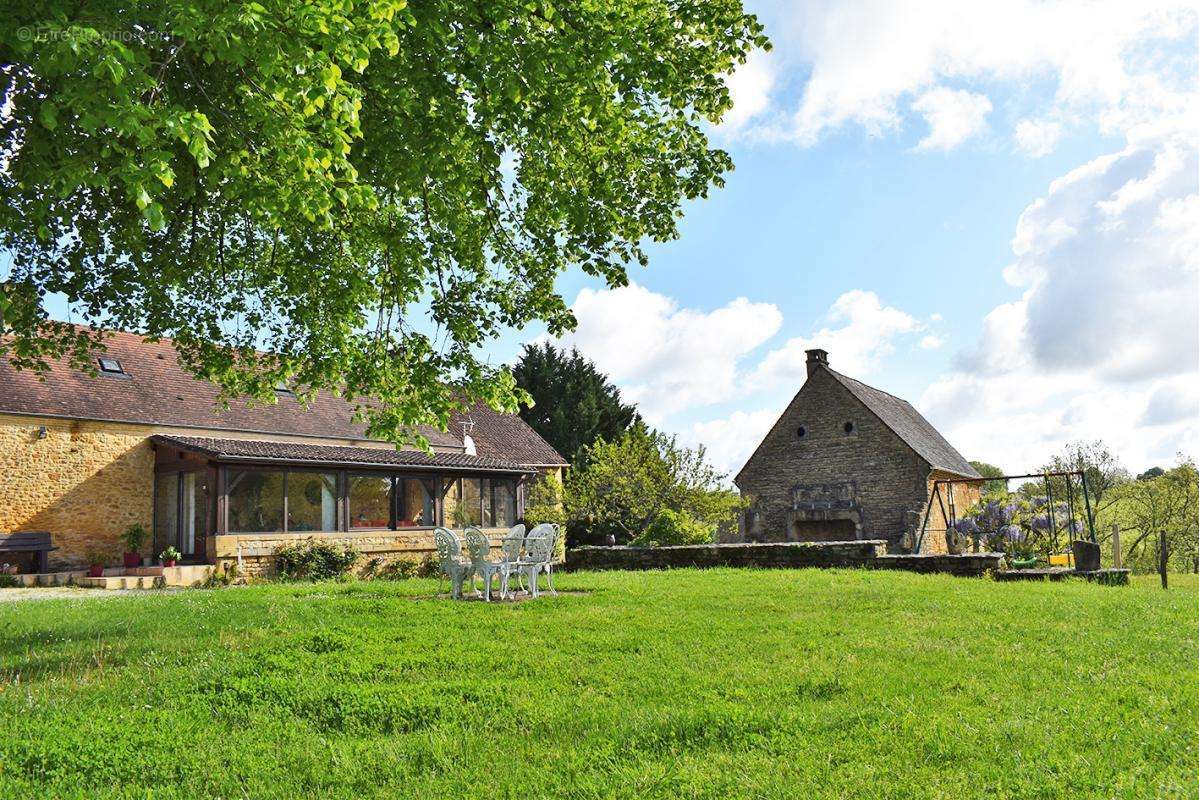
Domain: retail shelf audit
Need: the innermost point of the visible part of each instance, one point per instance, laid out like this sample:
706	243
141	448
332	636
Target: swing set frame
949	513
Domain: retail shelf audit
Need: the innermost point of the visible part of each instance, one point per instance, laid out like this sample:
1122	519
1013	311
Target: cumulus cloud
864	59
861	332
1037	138
1101	341
664	357
1173	402
749	87
953	116
730	440
931	342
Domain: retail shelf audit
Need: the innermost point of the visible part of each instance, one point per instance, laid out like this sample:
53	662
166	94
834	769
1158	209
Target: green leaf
49	116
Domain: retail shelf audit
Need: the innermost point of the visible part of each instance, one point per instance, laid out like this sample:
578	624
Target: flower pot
132	559
95	571
168	563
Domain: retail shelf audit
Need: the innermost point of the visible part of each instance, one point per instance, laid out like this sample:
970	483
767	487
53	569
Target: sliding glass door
181	512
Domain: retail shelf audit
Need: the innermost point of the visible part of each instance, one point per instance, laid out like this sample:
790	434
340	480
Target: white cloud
667	358
732	439
1109	61
1101	343
1037	138
931	342
953	116
749	86
863	331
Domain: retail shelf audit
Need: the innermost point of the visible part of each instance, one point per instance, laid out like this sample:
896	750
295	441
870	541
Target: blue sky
969	205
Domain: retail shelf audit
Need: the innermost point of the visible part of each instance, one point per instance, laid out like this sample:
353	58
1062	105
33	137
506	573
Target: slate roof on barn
263	451
909	425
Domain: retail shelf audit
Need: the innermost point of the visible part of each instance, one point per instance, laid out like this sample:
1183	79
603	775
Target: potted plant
134	537
169	557
95	563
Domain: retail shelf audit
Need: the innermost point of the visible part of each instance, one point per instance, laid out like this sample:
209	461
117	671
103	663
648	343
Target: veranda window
311	501
255	501
370	501
260	501
484	502
414	504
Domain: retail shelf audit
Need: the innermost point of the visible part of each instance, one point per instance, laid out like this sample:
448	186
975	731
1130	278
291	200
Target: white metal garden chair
539	554
512	547
449	557
481	564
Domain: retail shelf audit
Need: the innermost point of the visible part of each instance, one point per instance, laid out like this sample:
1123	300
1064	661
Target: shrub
96	557
674	527
544	502
315	560
404	568
134	537
8	581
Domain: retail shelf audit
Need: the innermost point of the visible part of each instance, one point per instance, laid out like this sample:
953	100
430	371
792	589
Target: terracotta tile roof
908	424
334	455
506	436
158	391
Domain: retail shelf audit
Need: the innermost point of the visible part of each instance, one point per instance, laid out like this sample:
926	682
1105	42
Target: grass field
681	684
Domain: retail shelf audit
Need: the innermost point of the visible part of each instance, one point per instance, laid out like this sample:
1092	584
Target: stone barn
848	461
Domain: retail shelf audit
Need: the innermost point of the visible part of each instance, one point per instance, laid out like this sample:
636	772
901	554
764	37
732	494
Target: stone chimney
816	358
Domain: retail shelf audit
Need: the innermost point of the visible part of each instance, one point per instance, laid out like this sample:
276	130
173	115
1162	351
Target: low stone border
868	553
972	565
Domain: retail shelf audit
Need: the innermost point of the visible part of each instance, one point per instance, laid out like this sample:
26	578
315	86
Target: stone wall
84	482
965	565
869	553
886	481
773	554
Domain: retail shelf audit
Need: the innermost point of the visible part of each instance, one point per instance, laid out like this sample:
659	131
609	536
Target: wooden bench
37	542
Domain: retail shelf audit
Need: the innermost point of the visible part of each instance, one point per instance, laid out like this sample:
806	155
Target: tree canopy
351	197
621	487
574	404
990	471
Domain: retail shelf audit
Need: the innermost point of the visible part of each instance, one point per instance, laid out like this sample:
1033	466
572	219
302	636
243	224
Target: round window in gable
801	431
847	427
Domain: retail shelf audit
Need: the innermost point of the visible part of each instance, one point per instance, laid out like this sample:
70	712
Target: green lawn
682	684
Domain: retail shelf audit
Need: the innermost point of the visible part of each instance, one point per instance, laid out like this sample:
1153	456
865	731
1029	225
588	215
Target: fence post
1117	556
1163	558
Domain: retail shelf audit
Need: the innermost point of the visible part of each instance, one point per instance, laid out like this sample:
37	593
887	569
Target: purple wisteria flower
966	526
1040	522
1013	533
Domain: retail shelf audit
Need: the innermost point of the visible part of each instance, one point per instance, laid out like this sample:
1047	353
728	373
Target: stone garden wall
868	553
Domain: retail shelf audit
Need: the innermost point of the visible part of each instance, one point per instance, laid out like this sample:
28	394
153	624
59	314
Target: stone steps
122	582
50	578
125	578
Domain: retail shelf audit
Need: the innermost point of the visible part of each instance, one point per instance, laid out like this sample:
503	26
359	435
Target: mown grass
681	684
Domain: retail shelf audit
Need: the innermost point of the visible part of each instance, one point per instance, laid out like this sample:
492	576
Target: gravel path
56	592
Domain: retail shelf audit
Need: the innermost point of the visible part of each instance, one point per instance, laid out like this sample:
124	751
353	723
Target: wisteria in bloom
1040	522
967	526
1013	533
994	515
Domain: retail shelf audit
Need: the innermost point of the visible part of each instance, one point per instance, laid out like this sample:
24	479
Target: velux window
111	366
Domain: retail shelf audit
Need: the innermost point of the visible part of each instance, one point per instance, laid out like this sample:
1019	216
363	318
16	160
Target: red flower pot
95	571
170	563
133	559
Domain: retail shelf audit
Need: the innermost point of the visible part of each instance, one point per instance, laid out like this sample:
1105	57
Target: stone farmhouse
847	461
83	456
